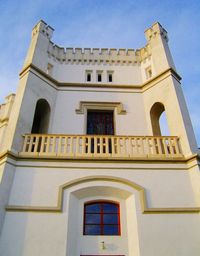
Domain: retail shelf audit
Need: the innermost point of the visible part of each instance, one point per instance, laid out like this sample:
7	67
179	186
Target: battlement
155	30
5	108
98	55
43	28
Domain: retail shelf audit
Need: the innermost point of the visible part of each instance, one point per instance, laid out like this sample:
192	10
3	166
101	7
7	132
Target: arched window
159	120
41	117
101	218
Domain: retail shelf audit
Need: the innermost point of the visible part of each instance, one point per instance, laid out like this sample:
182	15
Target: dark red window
101	218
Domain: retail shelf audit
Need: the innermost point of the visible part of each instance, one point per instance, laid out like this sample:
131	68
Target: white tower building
85	170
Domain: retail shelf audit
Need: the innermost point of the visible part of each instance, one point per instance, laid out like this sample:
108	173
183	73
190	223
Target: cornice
101	105
143	87
160	160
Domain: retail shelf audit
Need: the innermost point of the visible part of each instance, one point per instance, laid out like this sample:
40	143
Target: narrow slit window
88	77
109	76
49	69
99	77
148	72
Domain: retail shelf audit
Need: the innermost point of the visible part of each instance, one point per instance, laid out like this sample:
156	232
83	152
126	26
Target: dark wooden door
100	122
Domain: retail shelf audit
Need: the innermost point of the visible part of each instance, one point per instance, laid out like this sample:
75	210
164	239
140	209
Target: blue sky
104	23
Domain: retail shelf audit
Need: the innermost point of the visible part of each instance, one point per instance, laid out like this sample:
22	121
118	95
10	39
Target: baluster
139	146
30	148
66	145
124	146
25	143
153	145
83	145
130	148
146	146
89	145
159	146
70	141
149	146
42	144
95	145
118	146
101	145
176	144
53	144
46	144
171	148
107	141
77	145
36	144
165	147
112	146
134	146
142	145
60	138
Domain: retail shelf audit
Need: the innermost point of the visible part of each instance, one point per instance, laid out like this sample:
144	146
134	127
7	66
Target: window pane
92	218
110	219
88	77
92	230
108	207
99	77
93	208
110	230
101	218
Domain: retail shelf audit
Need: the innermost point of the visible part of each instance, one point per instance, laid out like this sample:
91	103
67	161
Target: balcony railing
100	146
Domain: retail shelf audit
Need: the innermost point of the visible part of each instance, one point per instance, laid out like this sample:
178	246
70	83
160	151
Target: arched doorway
159	120
41	117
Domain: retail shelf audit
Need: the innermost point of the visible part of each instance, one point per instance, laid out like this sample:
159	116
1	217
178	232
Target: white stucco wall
76	73
67	121
62	233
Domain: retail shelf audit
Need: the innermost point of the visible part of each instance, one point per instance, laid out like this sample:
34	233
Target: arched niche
159	120
41	117
124	195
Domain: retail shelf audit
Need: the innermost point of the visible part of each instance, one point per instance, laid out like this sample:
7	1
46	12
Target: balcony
101	147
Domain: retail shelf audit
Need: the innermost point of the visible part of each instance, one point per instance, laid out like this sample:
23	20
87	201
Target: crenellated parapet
43	28
5	109
156	30
98	55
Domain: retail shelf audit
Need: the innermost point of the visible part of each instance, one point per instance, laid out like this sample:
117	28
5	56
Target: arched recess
41	117
159	120
106	189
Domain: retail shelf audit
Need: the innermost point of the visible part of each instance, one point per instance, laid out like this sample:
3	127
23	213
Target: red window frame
102	213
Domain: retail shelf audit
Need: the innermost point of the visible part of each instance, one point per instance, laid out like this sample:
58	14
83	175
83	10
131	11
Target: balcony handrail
101	146
99	135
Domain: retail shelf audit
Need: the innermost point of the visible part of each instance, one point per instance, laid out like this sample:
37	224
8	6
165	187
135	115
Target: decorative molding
100	105
142	87
21	157
142	195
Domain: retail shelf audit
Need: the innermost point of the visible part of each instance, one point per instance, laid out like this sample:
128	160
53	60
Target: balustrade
100	146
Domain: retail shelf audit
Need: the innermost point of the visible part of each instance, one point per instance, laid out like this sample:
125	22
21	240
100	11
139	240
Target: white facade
50	174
